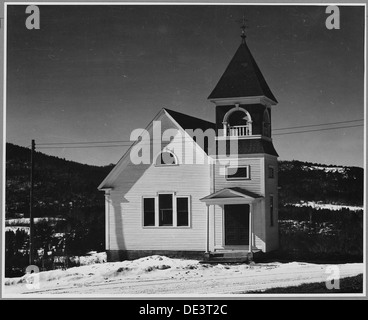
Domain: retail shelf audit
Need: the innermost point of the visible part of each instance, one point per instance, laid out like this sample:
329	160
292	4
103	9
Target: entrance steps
229	256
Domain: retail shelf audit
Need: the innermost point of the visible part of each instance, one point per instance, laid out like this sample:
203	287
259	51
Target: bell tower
243	102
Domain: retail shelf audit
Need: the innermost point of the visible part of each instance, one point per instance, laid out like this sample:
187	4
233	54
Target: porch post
208	229
250	229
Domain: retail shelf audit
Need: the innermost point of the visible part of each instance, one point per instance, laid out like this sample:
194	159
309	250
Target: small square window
237	173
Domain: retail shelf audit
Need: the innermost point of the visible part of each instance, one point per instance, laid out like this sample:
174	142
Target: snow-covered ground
328	206
16	228
160	275
326	169
25	221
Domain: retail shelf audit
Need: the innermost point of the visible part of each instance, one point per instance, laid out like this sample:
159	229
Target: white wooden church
210	209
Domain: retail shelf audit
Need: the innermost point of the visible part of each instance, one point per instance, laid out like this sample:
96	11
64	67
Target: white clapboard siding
258	224
126	229
271	187
254	184
135	181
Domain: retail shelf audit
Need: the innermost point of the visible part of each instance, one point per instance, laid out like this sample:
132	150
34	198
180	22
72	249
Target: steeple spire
242	78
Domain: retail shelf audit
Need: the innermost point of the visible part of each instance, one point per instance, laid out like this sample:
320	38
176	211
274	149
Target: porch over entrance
238	221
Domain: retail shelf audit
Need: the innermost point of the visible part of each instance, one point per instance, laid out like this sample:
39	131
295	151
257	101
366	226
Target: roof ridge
187	115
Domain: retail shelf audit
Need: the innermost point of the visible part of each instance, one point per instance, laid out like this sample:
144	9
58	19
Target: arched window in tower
166	158
237	123
266	124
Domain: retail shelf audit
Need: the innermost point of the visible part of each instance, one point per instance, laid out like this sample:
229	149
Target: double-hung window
149	212
165	207
182	211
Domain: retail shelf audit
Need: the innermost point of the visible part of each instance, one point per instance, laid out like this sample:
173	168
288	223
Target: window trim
237	178
142	210
175	213
173	208
189	211
166	165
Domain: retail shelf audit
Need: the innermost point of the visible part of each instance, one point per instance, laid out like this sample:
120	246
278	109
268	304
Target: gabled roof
180	120
189	122
242	78
234	194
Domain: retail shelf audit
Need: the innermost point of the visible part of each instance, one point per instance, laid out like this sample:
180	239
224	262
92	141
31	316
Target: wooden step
229	254
224	260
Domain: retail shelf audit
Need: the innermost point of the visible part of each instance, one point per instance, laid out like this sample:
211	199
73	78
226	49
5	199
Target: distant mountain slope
63	186
60	185
317	182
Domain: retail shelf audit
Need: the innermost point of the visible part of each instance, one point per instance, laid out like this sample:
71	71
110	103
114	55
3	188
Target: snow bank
92	272
162	275
92	258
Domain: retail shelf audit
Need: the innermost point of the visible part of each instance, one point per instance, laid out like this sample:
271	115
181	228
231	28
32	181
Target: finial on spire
243	27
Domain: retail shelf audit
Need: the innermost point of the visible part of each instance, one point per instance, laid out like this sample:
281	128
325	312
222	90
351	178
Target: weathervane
243	27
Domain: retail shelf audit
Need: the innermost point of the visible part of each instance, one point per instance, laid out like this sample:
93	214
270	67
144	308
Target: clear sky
95	73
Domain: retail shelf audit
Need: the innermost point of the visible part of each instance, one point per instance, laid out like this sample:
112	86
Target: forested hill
317	182
63	186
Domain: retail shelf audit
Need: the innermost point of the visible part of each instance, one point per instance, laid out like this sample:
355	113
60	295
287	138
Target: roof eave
243	100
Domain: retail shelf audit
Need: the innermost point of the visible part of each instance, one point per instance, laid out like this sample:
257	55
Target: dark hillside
317	182
61	186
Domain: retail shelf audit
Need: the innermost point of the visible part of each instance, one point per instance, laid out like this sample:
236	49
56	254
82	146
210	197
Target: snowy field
162	276
318	205
16	228
26	221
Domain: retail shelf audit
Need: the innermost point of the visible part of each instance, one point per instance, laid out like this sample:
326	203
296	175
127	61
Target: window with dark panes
271	211
149	212
182	209
271	172
165	203
237	173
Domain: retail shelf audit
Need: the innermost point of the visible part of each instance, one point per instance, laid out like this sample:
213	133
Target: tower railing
238	131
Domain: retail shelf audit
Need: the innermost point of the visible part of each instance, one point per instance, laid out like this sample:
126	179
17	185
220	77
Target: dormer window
166	158
237	123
